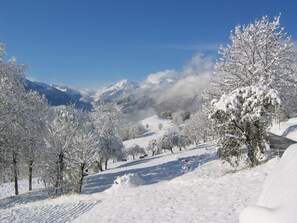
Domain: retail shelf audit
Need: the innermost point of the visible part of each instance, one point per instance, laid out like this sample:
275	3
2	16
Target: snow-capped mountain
116	92
59	95
67	90
152	94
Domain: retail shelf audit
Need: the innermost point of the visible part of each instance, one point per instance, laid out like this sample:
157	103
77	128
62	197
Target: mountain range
135	98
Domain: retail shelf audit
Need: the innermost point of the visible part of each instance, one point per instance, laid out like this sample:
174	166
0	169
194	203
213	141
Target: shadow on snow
104	180
32	196
150	175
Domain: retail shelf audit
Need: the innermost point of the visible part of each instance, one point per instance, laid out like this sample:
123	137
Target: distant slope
56	96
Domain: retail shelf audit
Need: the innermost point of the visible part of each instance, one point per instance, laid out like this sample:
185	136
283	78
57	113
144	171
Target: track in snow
59	213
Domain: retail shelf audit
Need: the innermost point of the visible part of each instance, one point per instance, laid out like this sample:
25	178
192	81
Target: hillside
188	186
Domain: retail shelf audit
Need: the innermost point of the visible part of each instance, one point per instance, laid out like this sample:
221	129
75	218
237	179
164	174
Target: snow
188	186
121	88
191	186
152	132
7	189
126	181
277	202
181	192
65	89
287	128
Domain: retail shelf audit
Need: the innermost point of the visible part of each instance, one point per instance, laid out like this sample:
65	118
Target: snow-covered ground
153	131
188	186
287	129
277	202
7	189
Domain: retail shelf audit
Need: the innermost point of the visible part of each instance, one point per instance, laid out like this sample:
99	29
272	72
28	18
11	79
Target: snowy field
188	186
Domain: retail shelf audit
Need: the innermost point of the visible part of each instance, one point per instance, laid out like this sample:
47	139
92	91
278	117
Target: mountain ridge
130	95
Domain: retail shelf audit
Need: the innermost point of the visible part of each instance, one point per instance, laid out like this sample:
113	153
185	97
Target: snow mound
126	181
278	200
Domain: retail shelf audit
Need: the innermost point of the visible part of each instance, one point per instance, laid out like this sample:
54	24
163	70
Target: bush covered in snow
241	119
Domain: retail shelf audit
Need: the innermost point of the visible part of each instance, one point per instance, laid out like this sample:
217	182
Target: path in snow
50	213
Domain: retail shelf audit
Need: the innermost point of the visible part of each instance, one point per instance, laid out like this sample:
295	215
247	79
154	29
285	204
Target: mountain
146	98
67	90
59	95
116	92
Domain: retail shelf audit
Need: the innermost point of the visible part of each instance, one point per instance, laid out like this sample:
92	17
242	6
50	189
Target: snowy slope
287	129
277	202
188	186
152	132
171	189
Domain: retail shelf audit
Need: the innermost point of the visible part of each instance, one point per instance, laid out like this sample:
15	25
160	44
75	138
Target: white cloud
158	77
189	82
198	64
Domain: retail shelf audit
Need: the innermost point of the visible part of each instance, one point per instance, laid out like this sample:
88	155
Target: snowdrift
278	200
126	181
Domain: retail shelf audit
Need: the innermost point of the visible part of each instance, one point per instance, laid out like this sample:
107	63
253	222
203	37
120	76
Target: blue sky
89	43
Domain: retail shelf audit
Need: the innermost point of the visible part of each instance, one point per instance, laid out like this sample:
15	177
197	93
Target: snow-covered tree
62	125
183	141
84	151
130	130
179	117
135	150
178	138
241	119
14	117
165	143
259	53
111	148
107	118
153	147
34	109
198	127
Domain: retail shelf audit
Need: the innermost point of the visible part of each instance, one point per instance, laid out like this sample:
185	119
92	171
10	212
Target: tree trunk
30	174
60	169
61	161
106	164
98	166
252	155
82	175
15	173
